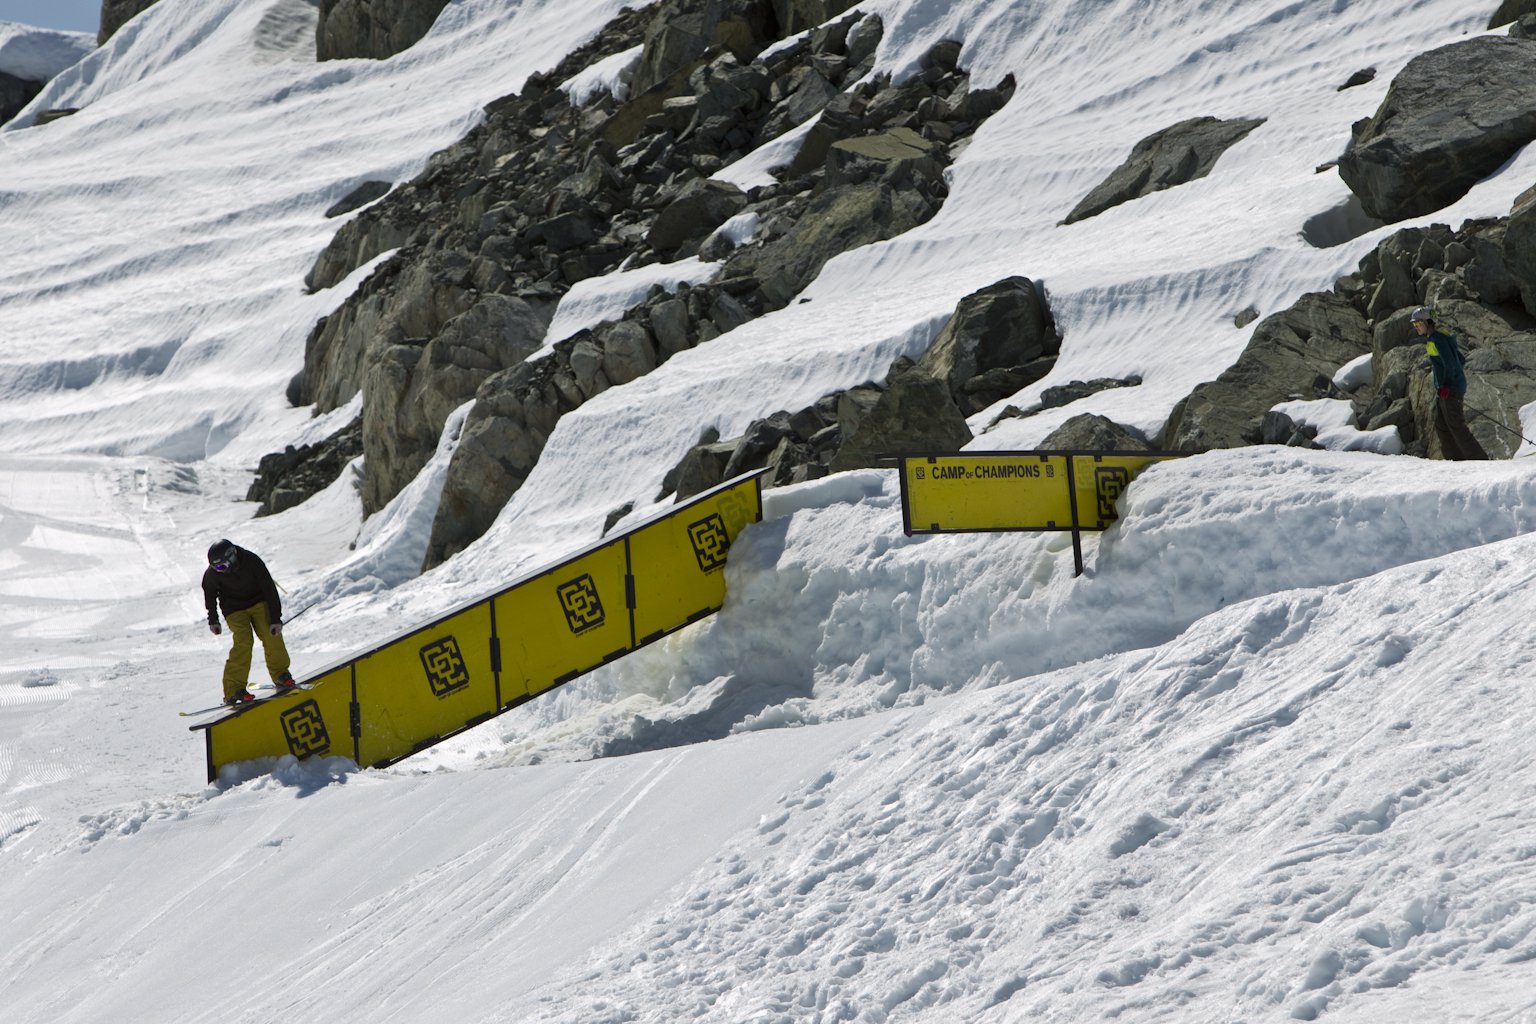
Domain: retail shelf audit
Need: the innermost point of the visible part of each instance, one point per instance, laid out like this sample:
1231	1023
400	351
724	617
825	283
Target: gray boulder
1173	156
683	31
293	476
411	388
1511	10
1090	432
16	93
1287	352
1519	249
372	28
835	221
1451	117
699	208
117	13
915	413
1001	327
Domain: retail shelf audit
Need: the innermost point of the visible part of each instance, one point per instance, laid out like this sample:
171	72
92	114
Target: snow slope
1268	759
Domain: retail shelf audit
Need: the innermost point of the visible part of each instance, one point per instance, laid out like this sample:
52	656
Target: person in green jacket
239	583
1445	360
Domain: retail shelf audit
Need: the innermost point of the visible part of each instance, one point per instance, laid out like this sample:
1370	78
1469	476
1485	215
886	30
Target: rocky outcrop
1000	340
290	477
1511	10
372	28
545	194
1090	432
16	93
414	384
1451	117
1173	156
921	406
1279	364
117	13
1481	281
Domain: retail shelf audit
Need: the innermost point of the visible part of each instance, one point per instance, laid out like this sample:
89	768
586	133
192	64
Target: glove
276	629
1445	392
215	628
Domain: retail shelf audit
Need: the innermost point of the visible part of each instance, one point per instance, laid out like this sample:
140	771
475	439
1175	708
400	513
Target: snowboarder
1445	359
238	582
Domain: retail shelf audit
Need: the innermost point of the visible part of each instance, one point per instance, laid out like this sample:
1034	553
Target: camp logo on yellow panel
581	604
444	662
1109	482
711	542
304	728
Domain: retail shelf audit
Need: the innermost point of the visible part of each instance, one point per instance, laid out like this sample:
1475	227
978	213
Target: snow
37	54
1268	759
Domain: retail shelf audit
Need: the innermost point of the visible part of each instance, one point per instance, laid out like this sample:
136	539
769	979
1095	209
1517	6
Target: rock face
1481	282
1280	363
545	194
999	340
1451	117
288	478
1173	156
15	93
921	406
1511	10
117	13
372	28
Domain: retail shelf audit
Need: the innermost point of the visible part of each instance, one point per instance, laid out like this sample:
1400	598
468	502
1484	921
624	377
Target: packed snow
37	54
1268	759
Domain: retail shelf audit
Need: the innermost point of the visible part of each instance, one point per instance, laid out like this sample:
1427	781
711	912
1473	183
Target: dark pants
1456	440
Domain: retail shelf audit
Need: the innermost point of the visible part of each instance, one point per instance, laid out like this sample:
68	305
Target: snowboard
261	696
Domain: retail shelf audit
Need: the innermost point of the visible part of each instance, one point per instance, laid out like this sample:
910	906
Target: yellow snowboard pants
243	625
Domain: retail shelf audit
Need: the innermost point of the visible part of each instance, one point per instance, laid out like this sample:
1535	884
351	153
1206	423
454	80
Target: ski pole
1501	426
301	611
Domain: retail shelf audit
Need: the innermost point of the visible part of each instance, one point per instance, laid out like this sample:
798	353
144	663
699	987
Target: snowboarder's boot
239	698
284	682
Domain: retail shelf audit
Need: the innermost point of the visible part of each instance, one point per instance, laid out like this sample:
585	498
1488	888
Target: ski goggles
221	565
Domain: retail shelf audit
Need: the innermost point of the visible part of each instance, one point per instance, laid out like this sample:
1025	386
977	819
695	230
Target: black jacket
245	584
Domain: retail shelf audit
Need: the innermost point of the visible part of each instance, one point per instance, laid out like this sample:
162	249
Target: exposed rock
1091	432
1451	117
16	93
701	207
372	28
291	477
682	32
117	13
1173	156
998	329
1280	362
543	195
1511	10
413	387
915	413
798	15
359	197
1519	249
1359	78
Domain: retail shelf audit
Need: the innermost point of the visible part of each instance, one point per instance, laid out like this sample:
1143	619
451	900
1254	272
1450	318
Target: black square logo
582	606
304	728
444	662
1109	482
711	542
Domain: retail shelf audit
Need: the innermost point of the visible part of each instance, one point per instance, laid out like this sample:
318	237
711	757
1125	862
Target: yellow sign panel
563	622
410	692
678	562
1100	480
312	722
1023	491
425	685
